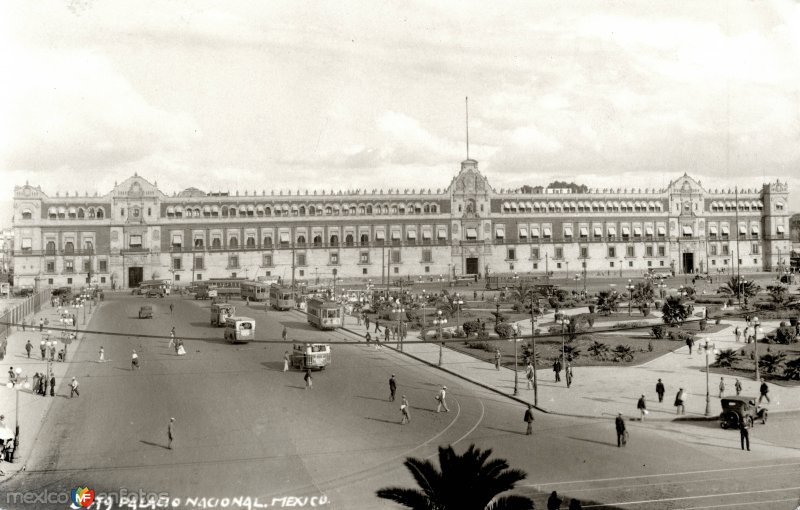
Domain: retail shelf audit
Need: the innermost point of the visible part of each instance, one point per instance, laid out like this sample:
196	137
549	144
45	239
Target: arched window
268	211
361	210
348	240
69	248
216	243
317	240
328	210
232	211
267	240
312	210
426	208
352	210
364	239
225	210
334	240
50	249
100	214
301	239
302	210
394	209
369	209
80	213
385	209
88	247
433	208
251	242
233	242
197	212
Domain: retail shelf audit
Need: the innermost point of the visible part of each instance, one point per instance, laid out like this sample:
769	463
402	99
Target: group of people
41	382
554	502
557	366
176	343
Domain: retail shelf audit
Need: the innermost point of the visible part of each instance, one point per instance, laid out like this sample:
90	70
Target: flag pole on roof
466	104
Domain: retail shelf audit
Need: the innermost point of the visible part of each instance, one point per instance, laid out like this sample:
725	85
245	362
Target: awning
471	232
584	232
500	231
779	229
177	239
506	205
72	210
442	233
754	203
648	230
395	235
426	234
742	230
528	205
243	208
637	231
595	204
171	210
712	229
260	209
651	205
598	231
626	231
284	237
523	231
754	229
687	230
567	231
251	207
52	210
215	208
412	234
760	204
62	210
178	208
534	232
546	231
612	231
725	230
207	208
380	235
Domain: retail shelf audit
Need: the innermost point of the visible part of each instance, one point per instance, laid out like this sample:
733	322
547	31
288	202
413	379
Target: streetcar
324	314
255	291
281	298
220	313
161	287
226	286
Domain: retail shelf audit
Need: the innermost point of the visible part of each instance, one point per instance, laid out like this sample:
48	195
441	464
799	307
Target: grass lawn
744	367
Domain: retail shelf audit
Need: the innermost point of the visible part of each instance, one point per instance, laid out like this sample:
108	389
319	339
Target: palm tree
623	353
674	311
571	352
599	350
792	369
778	293
770	363
739	288
726	358
607	302
643	293
464	482
526	295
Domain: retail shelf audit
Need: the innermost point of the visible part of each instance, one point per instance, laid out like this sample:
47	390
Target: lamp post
83	305
577	279
439	322
16	387
564	323
497	313
708	347
424	301
401	314
756	330
516	374
630	288
533	354
458	302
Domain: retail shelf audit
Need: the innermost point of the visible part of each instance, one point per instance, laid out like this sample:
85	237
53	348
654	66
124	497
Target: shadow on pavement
507	431
275	366
153	444
395	422
373	398
609	444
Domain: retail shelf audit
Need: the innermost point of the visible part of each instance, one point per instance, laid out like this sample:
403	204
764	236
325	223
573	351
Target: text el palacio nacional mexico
138	232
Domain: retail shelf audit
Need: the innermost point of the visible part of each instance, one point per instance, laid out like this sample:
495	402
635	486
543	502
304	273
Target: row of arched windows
251	210
72	213
69	248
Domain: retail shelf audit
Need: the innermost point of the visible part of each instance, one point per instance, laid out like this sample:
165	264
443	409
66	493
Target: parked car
146	312
736	409
154	293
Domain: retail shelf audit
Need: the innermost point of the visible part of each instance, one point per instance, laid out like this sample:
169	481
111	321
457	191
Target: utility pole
293	266
533	354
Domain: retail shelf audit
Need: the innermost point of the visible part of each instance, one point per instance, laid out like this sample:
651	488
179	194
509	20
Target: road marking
648	501
739	504
545	484
470	431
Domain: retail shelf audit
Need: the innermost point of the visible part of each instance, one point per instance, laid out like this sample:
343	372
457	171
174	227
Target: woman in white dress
181	350
102	354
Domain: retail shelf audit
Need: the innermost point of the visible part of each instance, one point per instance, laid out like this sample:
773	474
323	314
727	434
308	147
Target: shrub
479	345
657	331
726	358
623	353
785	334
703	325
645	310
630	324
504	330
766	306
591	310
599	350
471	327
447	335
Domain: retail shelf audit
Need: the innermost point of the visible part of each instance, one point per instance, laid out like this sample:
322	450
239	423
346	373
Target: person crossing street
392	388
442	402
528	418
73	388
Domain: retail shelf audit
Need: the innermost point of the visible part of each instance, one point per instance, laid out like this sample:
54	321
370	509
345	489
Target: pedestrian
557	369
53	351
23	324
43	348
404	409
366	321
377	325
680	401
738	387
660	390
575	504
642	407
286	361
554	502
528	418
442	402
41	324
28	348
73	388
52	386
763	390
283	334
690	344
721	386
12	376
307	378
170	308
134	361
102	354
568	374
386	331
170	432
367	338
622	434
497	357
392	388
529	375
737	333
744	434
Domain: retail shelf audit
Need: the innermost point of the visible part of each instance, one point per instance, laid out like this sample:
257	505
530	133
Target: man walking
680	402
307	378
529	375
642	407
568	374
392	388
73	388
170	308
737	333
28	348
43	384
442	402
763	390
170	432
660	390
377	325
690	344
744	434
619	423
53	385
721	386
497	357
738	387
286	361
41	324
528	418
557	369
283	334
43	348
404	409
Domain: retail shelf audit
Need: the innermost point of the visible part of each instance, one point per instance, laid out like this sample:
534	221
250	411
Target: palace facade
136	232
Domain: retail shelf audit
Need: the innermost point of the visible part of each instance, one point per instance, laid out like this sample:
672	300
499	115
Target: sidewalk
605	391
33	408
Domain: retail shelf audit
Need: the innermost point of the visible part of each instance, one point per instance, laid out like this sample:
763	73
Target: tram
255	291
281	298
324	314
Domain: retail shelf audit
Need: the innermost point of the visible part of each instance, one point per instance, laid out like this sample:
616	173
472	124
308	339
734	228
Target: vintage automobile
146	312
239	329
220	313
736	409
154	293
311	356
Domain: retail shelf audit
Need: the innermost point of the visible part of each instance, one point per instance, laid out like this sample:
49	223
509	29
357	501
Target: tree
737	288
778	293
726	358
599	350
792	369
770	363
674	311
571	352
623	353
643	293
607	302
464	482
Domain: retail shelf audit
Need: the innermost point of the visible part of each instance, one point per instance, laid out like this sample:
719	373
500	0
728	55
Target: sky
262	95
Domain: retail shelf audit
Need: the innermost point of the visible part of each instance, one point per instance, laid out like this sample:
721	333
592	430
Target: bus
281	298
324	314
226	286
256	291
162	286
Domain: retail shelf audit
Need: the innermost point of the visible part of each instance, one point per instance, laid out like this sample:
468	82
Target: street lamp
497	314
756	329
708	347
630	288
533	354
10	385
458	302
400	315
577	279
564	323
439	322
516	374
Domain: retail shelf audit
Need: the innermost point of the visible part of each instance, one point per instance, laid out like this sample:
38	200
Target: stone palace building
136	232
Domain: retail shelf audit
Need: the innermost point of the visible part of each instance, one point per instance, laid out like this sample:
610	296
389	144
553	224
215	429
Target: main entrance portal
472	265
135	276
688	262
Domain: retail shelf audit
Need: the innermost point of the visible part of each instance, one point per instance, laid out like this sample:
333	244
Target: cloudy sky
254	95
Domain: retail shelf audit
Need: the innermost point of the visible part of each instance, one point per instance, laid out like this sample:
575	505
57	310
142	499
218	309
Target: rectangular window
69	266
630	251
363	270
535	265
755	249
334	258
87	266
648	251
176	263
102	279
725	250
301	259
558	265
713	250
199	277
649	263
630	263
302	272
396	270
69	281
427	269
135	241
177	277
51	266
364	257
103	265
395	257
177	240
584	252
662	251
27	243
511	254
267	260
534	253
427	256
559	254
611	264
233	261
612	252
198	264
